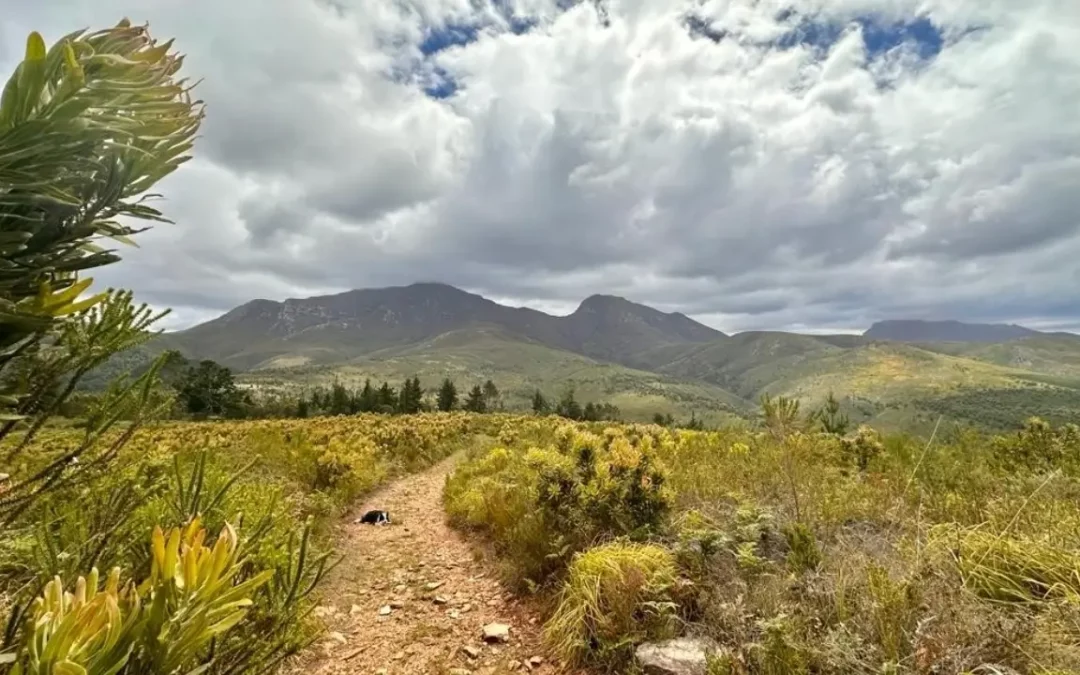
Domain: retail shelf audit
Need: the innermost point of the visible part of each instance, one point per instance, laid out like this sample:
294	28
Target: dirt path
412	597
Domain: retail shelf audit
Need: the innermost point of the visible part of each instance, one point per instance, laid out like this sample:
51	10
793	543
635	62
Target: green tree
208	389
829	418
568	406
368	399
411	397
340	402
608	411
492	398
318	402
417	396
539	403
448	395
780	415
475	401
387	399
694	424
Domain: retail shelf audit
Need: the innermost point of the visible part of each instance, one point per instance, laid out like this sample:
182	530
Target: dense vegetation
797	550
128	546
1001	408
274	487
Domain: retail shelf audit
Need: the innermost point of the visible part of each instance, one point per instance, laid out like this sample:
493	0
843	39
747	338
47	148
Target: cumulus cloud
808	164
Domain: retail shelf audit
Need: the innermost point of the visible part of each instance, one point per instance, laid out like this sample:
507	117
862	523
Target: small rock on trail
411	599
681	656
496	632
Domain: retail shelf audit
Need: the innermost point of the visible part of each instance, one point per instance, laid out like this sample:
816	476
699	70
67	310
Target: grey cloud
753	187
1040	207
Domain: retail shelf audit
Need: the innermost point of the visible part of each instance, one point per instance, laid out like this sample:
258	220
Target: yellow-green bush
541	505
1038	445
614	597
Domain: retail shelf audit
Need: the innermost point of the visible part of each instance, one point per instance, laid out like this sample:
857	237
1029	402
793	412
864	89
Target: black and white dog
376	517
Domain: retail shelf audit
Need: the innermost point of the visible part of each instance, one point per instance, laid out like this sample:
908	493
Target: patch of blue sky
879	36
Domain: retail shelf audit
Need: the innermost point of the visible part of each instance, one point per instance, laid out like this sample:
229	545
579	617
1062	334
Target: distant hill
899	374
334	328
895	384
907	330
472	355
1054	354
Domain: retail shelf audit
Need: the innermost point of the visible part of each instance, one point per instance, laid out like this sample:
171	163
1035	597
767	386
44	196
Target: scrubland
795	550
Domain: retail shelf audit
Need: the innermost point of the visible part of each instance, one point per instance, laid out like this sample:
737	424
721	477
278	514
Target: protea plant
163	626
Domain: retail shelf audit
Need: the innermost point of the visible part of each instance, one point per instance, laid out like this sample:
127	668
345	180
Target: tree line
205	388
567	406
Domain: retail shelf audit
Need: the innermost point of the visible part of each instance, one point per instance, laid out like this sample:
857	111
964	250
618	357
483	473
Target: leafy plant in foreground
161	626
86	128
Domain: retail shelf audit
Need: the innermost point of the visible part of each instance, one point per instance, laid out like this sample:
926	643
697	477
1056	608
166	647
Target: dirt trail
412	598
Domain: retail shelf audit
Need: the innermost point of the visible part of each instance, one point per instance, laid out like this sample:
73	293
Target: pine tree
447	395
539	403
475	402
695	424
830	419
317	400
415	394
340	401
368	399
590	413
387	399
302	407
410	398
568	406
491	396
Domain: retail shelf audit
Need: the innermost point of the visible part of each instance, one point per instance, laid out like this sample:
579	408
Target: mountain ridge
642	359
950	330
347	325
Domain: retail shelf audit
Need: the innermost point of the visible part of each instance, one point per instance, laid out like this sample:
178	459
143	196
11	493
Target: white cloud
619	151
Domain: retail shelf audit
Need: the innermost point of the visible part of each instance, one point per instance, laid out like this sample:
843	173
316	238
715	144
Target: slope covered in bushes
270	488
795	550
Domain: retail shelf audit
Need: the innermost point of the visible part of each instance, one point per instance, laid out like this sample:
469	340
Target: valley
898	375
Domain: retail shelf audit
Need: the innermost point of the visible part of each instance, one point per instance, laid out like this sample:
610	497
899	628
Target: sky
808	165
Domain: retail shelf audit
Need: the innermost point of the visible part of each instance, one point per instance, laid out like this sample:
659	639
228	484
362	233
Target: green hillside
1054	355
519	368
891	384
747	364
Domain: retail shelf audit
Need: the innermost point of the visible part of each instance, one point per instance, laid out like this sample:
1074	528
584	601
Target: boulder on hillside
681	656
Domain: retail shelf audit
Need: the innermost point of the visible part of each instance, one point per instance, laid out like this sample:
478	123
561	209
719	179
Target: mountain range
897	373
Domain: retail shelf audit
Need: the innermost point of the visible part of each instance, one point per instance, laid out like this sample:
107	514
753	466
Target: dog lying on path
376	517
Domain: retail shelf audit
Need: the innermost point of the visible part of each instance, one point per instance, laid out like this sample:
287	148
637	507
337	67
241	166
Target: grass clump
1011	569
614	597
